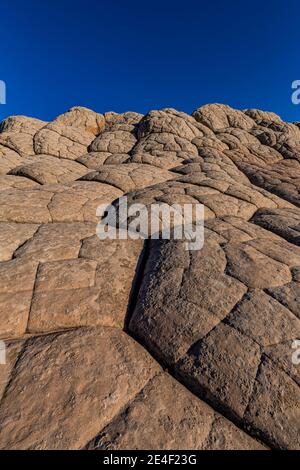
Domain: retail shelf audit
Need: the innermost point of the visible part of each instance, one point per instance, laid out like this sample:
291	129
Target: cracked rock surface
131	344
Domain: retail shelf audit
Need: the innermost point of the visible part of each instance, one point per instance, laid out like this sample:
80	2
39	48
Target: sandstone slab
79	380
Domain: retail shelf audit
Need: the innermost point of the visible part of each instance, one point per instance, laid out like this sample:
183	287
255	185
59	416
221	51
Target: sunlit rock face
133	344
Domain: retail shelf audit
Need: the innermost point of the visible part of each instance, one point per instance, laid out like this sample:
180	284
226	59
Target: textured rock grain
224	320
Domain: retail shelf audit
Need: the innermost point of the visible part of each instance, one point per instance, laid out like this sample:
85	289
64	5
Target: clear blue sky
140	55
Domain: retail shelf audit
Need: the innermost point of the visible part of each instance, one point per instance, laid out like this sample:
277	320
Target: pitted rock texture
131	344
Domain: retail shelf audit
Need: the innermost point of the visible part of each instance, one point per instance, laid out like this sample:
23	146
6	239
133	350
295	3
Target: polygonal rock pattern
91	290
79	315
19	142
17	182
85	359
285	223
206	315
12	352
62	141
78	201
114	142
21	124
164	144
13	235
95	160
9	159
82	118
16	133
54	171
175	419
220	116
173	122
130	177
17	280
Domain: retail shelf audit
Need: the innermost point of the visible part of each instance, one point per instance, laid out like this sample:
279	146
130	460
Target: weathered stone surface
12	236
95	160
167	161
181	191
278	250
289	296
274	403
166	416
29	206
264	320
16	134
16	286
282	178
56	171
253	268
257	154
113	142
235	229
87	377
56	241
22	124
222	368
130	117
194	313
224	319
118	265
164	144
284	222
171	121
82	118
17	182
12	351
64	295
92	290
78	201
130	176
62	141
220	116
286	356
182	297
8	159
22	143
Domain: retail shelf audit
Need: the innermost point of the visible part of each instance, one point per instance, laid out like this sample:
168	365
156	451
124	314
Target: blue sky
136	55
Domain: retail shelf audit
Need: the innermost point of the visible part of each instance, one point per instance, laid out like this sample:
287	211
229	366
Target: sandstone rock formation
131	344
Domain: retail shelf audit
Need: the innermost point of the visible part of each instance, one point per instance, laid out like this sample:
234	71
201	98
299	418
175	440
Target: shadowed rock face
89	326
